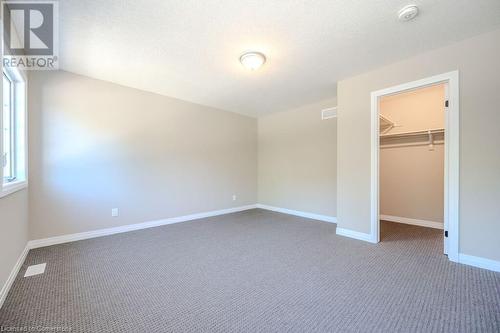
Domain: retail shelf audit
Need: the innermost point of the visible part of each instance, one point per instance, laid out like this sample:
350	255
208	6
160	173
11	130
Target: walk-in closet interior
412	128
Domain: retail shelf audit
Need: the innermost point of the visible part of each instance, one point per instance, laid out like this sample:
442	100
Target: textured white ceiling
189	49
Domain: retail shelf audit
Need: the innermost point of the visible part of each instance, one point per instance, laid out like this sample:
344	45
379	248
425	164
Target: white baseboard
12	275
406	220
480	262
325	218
33	244
355	234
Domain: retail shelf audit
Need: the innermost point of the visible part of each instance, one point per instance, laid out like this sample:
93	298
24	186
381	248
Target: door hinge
446	233
447	103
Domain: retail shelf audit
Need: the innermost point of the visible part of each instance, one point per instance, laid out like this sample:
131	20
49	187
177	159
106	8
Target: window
8	132
13	137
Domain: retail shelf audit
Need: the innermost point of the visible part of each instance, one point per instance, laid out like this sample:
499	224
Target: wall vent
329	113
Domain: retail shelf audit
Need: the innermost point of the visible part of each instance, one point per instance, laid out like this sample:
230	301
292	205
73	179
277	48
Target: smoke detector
408	13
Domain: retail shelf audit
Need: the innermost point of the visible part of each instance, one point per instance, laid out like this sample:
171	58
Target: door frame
451	157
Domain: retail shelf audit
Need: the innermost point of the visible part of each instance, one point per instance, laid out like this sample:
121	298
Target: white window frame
20	105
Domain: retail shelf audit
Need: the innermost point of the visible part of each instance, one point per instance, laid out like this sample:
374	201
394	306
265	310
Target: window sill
12	188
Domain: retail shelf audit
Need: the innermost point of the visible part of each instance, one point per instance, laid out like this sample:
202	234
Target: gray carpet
254	271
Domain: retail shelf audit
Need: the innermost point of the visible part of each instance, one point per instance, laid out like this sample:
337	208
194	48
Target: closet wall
412	176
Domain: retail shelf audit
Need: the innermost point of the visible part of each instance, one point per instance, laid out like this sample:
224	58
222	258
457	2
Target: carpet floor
253	271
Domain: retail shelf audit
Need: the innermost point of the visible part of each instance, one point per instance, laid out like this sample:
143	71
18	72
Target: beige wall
96	145
13	227
416	110
477	61
412	177
13	231
412	182
297	160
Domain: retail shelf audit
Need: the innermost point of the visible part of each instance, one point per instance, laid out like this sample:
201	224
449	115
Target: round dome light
252	60
408	13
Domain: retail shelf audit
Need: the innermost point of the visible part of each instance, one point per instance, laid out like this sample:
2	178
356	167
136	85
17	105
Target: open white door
446	161
451	164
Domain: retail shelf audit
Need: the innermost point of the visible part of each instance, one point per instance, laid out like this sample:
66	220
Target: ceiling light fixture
408	13
252	60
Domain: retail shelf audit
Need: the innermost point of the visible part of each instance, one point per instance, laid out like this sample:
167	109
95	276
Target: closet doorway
415	157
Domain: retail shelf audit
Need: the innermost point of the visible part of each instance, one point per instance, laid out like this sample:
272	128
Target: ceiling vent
329	113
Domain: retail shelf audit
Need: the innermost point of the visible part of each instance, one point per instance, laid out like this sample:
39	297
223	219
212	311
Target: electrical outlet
114	212
234	197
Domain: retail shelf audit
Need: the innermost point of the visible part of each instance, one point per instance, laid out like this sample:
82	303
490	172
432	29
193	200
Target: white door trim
452	144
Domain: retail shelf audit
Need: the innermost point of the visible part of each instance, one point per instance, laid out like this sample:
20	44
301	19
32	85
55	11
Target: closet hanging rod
414	133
